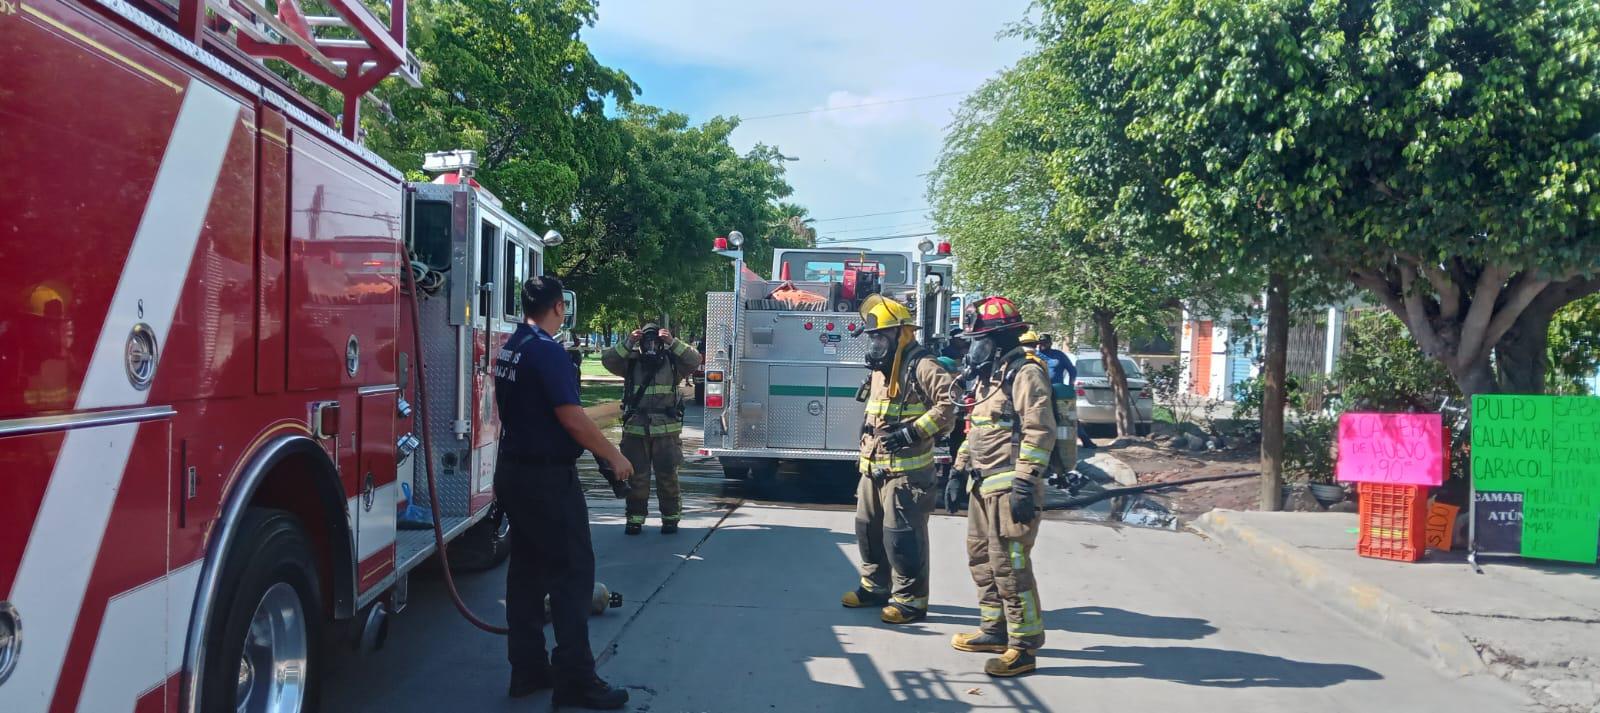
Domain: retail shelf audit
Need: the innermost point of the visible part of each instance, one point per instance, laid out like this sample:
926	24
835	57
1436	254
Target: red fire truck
210	370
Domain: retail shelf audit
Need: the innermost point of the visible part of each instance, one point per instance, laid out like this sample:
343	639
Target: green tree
639	233
1574	353
512	80
1440	156
1051	239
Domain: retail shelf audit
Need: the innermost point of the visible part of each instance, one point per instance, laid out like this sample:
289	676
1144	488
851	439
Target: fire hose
427	460
1092	498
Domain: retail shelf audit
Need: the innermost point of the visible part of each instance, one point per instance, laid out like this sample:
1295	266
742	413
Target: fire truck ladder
350	51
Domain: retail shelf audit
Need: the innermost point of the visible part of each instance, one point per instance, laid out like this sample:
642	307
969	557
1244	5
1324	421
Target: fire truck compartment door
798	414
845	413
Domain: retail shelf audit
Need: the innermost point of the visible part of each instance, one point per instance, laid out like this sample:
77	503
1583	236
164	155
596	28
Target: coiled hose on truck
427	460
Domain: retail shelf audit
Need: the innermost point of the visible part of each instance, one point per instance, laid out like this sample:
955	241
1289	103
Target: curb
1389	616
1114	467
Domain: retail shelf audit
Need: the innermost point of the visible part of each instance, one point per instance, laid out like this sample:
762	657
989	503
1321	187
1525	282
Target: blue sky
753	59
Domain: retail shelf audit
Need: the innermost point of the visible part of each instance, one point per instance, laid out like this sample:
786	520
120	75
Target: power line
875	238
868	215
854	106
917	224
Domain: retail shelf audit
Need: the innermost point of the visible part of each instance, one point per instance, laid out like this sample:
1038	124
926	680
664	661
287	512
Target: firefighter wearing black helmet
652	363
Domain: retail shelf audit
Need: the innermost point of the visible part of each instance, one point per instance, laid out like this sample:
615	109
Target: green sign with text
1547	449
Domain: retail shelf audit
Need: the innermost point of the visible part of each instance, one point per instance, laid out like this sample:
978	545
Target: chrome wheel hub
272	663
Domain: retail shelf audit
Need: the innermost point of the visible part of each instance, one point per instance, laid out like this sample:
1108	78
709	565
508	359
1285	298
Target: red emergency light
944	248
721	243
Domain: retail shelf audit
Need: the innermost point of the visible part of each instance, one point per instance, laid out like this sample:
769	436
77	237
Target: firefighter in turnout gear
1011	432
908	409
652	363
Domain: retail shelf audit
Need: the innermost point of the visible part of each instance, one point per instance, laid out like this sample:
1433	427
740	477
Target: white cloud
755	59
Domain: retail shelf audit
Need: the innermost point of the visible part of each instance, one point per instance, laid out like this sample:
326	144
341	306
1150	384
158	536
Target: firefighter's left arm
685	358
935	381
1031	397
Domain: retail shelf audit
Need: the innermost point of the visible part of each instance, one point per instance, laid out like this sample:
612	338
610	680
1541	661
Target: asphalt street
739	612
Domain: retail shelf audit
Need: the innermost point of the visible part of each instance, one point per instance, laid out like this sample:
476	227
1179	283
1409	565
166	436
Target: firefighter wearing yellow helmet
1011	431
907	410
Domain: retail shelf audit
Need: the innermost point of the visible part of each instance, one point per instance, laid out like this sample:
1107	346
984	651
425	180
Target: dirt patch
1155	463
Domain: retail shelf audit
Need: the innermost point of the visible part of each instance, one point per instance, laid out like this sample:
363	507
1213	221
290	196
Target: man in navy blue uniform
544	430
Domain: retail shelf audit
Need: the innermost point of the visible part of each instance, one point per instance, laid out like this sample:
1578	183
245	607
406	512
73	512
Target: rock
1345	506
1180	442
1197	444
1300	500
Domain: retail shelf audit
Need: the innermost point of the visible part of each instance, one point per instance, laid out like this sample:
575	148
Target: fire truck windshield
829	266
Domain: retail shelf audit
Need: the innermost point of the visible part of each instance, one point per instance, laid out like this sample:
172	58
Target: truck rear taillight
1081	392
1144	394
714	376
713	400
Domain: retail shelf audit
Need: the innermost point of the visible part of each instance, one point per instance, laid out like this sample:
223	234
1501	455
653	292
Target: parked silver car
1094	394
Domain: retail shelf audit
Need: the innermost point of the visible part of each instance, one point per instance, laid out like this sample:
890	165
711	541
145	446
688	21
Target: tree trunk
1522	355
1274	396
1127	417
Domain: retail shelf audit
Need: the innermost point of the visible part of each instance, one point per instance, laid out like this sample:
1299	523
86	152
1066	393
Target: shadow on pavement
1194	666
1104	621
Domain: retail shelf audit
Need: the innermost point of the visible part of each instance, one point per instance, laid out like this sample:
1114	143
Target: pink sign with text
1391	448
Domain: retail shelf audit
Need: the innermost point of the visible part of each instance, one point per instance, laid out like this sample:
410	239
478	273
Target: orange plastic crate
1394	521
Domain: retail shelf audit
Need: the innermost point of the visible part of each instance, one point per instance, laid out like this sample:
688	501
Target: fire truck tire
484	545
268	616
734	469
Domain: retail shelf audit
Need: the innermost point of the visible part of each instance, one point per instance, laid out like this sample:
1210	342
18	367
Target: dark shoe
669	527
1088	446
594	695
633	528
978	641
1014	662
862	598
529	682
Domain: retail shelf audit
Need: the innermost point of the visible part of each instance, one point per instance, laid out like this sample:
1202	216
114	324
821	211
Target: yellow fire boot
862	598
978	641
902	614
1014	662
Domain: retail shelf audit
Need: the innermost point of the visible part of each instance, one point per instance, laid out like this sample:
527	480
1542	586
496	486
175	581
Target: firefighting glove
900	437
953	489
1023	507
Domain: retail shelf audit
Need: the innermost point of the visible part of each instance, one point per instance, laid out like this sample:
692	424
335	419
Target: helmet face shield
881	346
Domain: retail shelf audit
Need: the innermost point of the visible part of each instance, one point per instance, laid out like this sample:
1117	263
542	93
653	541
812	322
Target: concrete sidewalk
1534	623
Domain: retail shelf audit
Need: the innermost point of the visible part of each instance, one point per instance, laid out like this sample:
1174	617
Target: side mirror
570	299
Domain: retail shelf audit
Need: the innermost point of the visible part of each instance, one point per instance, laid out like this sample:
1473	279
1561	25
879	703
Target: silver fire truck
785	357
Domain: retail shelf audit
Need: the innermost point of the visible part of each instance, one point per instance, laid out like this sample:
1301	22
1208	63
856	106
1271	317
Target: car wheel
261	646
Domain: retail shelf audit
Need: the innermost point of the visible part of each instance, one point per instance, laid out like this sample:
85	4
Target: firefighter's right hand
619	488
900	437
621	470
953	489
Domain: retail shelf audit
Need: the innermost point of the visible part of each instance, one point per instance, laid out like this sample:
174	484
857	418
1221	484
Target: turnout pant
550	554
661	454
892	532
1000	555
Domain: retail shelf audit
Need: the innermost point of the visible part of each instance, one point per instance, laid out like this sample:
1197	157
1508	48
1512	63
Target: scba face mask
880	350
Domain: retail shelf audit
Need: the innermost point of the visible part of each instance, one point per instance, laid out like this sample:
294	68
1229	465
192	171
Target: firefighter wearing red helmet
907	410
1011	430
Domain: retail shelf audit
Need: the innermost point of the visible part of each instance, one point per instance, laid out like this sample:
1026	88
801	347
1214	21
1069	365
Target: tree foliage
1047	239
638	191
1441	156
1574	352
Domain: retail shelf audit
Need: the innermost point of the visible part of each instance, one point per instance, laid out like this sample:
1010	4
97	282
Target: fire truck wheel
484	545
261	646
734	469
